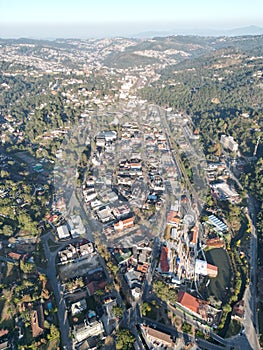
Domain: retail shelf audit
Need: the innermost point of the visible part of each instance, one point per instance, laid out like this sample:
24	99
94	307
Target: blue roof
218	223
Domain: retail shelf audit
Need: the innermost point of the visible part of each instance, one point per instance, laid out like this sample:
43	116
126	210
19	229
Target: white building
229	142
205	269
85	330
76	226
78	307
63	232
136	293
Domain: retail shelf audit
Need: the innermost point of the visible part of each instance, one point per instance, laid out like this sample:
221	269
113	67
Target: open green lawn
220	285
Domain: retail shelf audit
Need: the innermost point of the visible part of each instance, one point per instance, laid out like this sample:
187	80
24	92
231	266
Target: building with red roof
197	306
194	236
212	270
173	218
123	224
215	242
37	321
164	264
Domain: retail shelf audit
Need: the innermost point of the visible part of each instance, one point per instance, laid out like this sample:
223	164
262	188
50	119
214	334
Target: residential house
123	224
86	249
215	242
104	214
15	256
197	306
67	253
136	292
93	286
212	270
121	211
37	321
239	309
158	339
133	278
63	232
142	267
76	226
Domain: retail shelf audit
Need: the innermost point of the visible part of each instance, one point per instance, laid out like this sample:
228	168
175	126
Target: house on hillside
37	321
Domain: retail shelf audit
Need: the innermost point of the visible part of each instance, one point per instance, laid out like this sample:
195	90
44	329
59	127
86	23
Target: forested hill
179	47
221	90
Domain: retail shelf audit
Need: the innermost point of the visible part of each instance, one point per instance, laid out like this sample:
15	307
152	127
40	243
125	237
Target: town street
56	287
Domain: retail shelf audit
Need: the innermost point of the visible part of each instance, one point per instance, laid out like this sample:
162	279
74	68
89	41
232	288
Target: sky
98	18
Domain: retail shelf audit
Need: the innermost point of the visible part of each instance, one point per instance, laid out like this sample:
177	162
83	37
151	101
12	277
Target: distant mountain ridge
248	30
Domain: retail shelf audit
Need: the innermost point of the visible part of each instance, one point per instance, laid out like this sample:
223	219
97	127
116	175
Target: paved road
148	280
207	345
75	202
55	285
250	321
239	342
177	160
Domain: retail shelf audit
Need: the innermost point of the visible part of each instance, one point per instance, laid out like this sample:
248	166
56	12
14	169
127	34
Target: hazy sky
85	18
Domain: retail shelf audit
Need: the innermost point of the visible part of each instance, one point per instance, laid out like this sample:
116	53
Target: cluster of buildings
152	160
37	305
73	227
134	265
79	250
199	308
182	263
71	68
131	167
11	128
81	276
179	253
218	175
107	208
137	160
